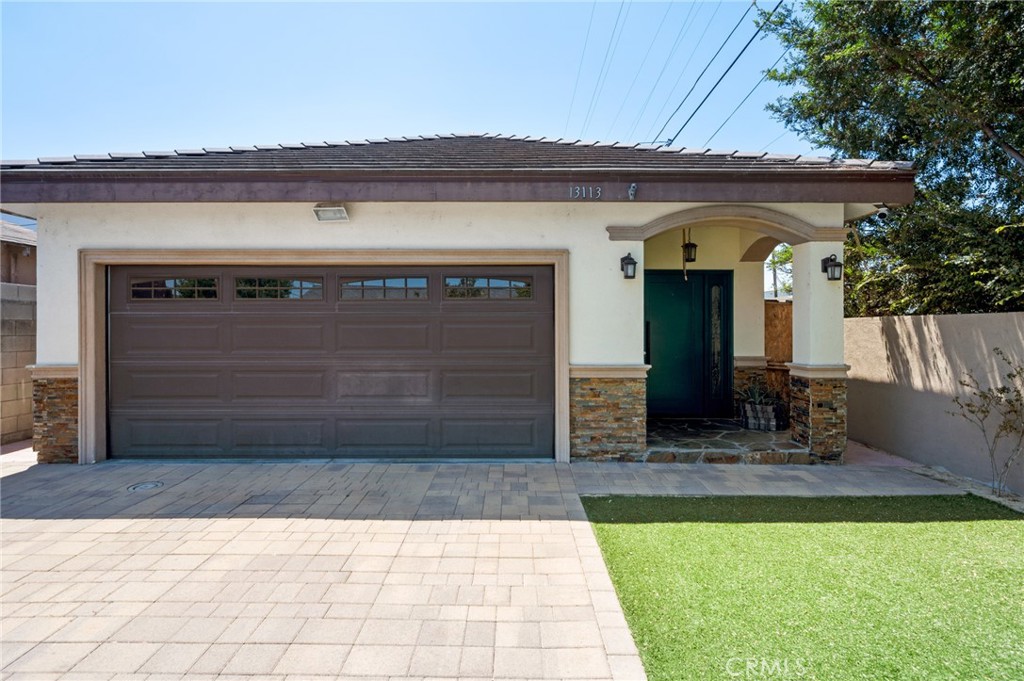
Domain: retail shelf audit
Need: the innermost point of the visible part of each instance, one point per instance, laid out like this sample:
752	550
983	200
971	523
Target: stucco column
817	373
749	362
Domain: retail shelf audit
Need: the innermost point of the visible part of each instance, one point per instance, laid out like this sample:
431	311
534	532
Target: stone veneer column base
55	419
607	418
818	416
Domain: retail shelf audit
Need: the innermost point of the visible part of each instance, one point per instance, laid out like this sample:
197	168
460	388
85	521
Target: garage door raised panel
407	362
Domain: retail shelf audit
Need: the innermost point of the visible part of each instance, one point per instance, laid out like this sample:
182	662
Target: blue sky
83	78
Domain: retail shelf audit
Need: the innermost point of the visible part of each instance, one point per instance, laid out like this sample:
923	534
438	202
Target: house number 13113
579	191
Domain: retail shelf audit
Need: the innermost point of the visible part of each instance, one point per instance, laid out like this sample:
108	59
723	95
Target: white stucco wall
605	311
817	306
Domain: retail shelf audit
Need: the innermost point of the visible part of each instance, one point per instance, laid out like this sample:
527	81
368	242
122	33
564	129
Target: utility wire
682	72
675	45
774	141
586	41
713	87
605	64
640	68
706	67
756	85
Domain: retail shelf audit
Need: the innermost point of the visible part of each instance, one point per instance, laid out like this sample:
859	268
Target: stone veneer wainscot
607	418
55	413
818	416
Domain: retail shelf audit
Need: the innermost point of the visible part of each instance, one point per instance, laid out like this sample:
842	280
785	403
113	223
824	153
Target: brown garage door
355	362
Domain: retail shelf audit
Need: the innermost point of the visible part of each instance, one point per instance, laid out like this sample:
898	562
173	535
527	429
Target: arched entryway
704	327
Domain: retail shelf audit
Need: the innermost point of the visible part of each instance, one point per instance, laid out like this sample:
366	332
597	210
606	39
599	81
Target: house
17	329
452	296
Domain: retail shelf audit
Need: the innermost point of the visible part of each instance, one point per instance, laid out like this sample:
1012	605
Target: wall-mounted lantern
832	267
627	264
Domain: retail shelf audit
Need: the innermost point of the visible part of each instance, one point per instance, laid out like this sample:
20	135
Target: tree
938	83
780	262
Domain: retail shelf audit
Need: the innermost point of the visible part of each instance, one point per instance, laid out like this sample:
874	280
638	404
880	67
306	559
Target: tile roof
447	153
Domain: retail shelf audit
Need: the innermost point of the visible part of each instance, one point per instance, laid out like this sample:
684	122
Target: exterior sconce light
330	212
689	248
627	264
690	251
832	268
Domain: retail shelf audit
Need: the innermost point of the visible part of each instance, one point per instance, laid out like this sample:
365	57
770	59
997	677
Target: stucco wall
606	312
904	372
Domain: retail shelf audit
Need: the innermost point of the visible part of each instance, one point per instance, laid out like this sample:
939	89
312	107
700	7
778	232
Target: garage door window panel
272	288
488	288
174	288
384	288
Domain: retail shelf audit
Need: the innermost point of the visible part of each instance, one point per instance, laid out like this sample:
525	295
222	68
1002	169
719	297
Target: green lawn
830	589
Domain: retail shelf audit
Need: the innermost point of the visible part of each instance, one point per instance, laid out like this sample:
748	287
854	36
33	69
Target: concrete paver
336	570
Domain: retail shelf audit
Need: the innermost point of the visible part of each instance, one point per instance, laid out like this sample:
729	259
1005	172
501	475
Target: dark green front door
688	343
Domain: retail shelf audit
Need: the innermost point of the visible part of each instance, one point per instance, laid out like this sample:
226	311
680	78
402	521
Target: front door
688	343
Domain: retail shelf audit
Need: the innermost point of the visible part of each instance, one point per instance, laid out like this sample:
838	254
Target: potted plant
760	407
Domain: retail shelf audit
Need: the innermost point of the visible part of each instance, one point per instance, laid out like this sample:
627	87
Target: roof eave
814	184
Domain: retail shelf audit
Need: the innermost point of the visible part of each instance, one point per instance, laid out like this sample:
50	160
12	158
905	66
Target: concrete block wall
17	352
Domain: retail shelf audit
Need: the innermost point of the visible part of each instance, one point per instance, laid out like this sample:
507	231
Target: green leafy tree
938	83
780	264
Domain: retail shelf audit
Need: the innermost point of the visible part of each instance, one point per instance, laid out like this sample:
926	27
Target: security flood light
330	212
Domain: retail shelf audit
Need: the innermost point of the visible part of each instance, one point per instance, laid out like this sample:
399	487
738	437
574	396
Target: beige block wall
17	351
904	373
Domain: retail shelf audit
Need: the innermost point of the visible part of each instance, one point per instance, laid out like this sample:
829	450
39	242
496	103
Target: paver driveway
305	570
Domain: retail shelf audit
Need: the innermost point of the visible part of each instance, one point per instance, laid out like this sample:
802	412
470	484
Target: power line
675	45
636	75
706	67
586	41
608	53
756	85
682	72
713	87
773	141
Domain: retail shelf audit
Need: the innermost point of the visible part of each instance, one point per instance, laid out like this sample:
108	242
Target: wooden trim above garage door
93	265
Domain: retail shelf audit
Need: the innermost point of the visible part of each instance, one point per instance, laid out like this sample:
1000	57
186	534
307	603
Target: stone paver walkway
305	571
330	570
709	480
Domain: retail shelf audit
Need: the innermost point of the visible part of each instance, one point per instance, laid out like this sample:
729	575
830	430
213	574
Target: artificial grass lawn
825	588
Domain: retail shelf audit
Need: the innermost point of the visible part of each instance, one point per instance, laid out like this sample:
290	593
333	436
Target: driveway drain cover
145	485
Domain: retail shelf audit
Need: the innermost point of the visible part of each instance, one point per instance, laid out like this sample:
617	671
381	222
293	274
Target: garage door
407	362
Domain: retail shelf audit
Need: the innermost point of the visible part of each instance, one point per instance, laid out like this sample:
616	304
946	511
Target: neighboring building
472	304
17	330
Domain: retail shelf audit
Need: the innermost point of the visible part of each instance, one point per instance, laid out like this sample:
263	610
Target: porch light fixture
330	212
627	264
690	251
832	268
689	248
